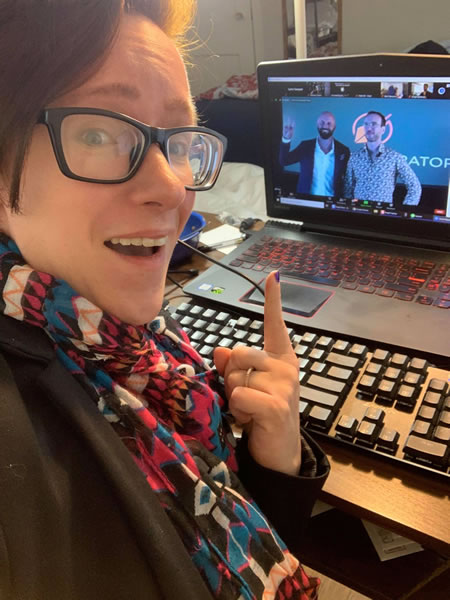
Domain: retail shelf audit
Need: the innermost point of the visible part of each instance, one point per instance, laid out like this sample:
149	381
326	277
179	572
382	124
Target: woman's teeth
139	246
146	242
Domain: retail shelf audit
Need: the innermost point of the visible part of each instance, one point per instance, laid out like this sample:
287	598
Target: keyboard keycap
342	374
367	432
341	347
324	342
240	334
426	413
434	452
301	350
411	378
304	364
213	327
386	390
303	409
422	428
374	369
329	385
209	314
392	373
399	361
407	395
317	354
444	418
223	317
186	321
442	434
197	336
321	417
438	385
346	426
226	343
368	385
254	338
199	324
432	399
388	438
342	361
374	414
256	326
184	308
309	338
381	356
418	365
318	397
359	351
318	367
205	350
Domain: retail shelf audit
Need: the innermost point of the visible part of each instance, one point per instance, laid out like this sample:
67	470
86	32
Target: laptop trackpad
296	298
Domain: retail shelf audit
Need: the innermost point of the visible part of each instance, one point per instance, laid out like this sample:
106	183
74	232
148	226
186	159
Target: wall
268	29
237	35
392	25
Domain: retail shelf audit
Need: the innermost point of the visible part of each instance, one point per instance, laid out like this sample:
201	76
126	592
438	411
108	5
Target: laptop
360	218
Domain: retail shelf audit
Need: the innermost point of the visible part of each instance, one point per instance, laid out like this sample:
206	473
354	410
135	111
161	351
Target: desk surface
404	501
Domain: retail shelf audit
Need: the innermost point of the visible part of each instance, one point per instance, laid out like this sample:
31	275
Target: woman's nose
156	183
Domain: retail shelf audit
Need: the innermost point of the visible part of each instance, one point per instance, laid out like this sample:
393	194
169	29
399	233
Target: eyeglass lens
104	148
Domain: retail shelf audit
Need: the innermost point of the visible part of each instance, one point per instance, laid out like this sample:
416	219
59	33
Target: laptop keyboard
369	398
366	272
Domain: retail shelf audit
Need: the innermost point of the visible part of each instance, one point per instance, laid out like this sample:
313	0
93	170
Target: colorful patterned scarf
163	402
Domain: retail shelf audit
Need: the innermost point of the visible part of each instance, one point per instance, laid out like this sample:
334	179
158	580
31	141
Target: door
225	44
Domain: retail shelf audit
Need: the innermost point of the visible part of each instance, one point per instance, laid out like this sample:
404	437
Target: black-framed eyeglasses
101	146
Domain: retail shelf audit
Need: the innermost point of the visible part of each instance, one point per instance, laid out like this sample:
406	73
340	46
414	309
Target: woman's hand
268	407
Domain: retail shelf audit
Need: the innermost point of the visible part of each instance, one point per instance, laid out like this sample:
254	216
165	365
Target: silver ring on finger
247	376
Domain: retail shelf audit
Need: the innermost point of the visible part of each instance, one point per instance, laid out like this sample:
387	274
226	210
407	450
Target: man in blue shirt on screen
373	171
322	160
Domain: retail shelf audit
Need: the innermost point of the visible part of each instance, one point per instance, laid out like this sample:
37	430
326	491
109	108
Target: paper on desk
221	234
388	544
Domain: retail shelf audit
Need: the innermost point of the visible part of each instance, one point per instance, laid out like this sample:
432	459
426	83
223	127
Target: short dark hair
49	47
382	117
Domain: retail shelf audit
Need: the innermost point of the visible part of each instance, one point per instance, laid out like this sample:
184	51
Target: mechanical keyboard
373	399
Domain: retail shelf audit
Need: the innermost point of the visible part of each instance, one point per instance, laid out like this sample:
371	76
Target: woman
119	476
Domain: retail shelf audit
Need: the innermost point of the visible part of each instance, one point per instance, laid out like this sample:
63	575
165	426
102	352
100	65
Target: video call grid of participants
375	89
372	173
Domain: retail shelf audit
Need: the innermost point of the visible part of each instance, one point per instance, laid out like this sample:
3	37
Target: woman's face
64	224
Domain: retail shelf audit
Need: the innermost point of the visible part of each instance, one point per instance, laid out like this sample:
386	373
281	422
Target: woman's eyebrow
131	92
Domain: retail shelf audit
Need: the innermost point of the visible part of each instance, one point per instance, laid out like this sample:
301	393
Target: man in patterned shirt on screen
373	171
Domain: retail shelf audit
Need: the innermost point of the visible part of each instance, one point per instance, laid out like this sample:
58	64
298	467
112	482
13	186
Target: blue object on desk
191	235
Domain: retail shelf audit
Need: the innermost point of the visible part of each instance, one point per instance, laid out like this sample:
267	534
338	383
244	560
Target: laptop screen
369	145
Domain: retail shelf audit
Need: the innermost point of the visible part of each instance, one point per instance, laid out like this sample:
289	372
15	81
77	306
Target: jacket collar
25	340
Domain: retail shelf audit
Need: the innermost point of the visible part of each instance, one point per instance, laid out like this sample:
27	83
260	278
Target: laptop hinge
365	235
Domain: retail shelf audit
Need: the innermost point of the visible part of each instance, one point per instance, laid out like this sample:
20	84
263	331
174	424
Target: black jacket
78	521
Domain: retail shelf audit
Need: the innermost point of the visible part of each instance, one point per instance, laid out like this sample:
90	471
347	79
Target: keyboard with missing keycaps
371	398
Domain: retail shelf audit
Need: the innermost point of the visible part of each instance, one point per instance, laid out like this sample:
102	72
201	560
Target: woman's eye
95	137
179	149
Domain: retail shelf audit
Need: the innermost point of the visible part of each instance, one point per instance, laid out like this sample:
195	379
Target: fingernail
277	276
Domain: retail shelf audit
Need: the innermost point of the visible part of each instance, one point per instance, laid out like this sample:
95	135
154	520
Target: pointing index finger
276	337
